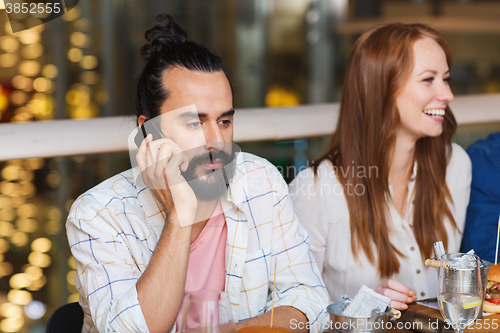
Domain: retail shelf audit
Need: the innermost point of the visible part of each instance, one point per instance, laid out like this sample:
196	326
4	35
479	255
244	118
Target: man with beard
199	215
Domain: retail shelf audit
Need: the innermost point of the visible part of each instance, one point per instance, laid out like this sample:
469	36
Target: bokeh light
49	71
20	280
89	62
28	36
79	39
32	51
27	225
35	310
19	238
8	59
21	297
29	68
9	44
39	259
41	245
75	54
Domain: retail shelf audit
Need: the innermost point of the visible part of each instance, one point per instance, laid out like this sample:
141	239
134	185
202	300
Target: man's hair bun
164	34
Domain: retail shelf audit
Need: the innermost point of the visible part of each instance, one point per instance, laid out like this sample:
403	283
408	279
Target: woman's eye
447	79
194	124
429	79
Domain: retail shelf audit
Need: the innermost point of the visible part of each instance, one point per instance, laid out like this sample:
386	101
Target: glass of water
460	292
206	311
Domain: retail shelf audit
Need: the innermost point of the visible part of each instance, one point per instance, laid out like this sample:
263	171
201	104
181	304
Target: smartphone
149	128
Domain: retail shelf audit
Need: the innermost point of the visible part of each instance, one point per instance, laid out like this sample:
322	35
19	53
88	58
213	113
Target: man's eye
226	122
195	124
429	79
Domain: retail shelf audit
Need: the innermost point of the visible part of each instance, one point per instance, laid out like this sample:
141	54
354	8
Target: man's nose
213	137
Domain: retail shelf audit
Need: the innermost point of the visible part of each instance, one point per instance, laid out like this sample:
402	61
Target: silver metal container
376	323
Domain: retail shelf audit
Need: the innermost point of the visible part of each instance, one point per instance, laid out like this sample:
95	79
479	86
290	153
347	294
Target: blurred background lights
39	259
90	77
9	44
8	60
54	213
72	15
29	36
49	71
27	225
19	97
21	82
70	277
38	283
42	84
34	163
89	62
20	280
8	188
21	297
11	324
53	179
75	54
6	268
29	67
35	310
34	22
41	245
32	51
4	245
71	262
27	210
11	172
10	310
20	239
79	39
34	271
6	229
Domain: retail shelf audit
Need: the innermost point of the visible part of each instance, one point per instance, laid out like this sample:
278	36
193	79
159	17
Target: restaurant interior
280	54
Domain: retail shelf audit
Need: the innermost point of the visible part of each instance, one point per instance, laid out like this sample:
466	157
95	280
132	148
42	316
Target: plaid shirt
113	230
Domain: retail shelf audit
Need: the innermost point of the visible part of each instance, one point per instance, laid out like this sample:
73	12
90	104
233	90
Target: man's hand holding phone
161	162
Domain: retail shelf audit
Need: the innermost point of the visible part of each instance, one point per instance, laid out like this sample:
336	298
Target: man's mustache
210	157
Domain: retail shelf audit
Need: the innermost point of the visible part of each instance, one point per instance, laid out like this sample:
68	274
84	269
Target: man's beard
208	185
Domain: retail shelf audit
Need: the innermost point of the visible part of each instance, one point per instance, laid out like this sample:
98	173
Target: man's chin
208	190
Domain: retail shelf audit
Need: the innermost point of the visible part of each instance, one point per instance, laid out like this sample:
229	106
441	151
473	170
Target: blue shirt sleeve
484	207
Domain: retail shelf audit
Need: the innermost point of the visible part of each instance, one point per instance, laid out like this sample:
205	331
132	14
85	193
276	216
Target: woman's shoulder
459	166
459	158
325	172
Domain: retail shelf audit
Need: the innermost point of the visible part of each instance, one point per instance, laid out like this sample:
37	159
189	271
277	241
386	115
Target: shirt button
418	271
412	248
422	294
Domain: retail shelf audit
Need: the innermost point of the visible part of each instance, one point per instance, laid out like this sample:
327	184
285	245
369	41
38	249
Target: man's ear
142	118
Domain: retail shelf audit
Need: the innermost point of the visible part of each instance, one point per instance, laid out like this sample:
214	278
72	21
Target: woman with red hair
391	182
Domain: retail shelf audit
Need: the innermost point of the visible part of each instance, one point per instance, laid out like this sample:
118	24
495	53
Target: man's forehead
191	111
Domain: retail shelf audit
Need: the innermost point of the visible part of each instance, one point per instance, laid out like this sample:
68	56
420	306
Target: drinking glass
460	291
206	311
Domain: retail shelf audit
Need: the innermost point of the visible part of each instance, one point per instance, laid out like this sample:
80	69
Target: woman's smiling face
423	98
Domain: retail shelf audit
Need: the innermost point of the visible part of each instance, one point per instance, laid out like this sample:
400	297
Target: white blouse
322	209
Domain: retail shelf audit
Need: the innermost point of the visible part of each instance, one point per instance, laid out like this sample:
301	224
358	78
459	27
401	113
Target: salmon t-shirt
206	267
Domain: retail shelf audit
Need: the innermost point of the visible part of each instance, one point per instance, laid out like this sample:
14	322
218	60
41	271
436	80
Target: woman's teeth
435	112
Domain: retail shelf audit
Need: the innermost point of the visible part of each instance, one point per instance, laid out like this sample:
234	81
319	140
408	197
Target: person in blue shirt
483	212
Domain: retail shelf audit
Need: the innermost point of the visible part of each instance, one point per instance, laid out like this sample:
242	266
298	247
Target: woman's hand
398	293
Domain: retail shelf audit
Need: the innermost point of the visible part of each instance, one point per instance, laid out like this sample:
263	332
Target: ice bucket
378	322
